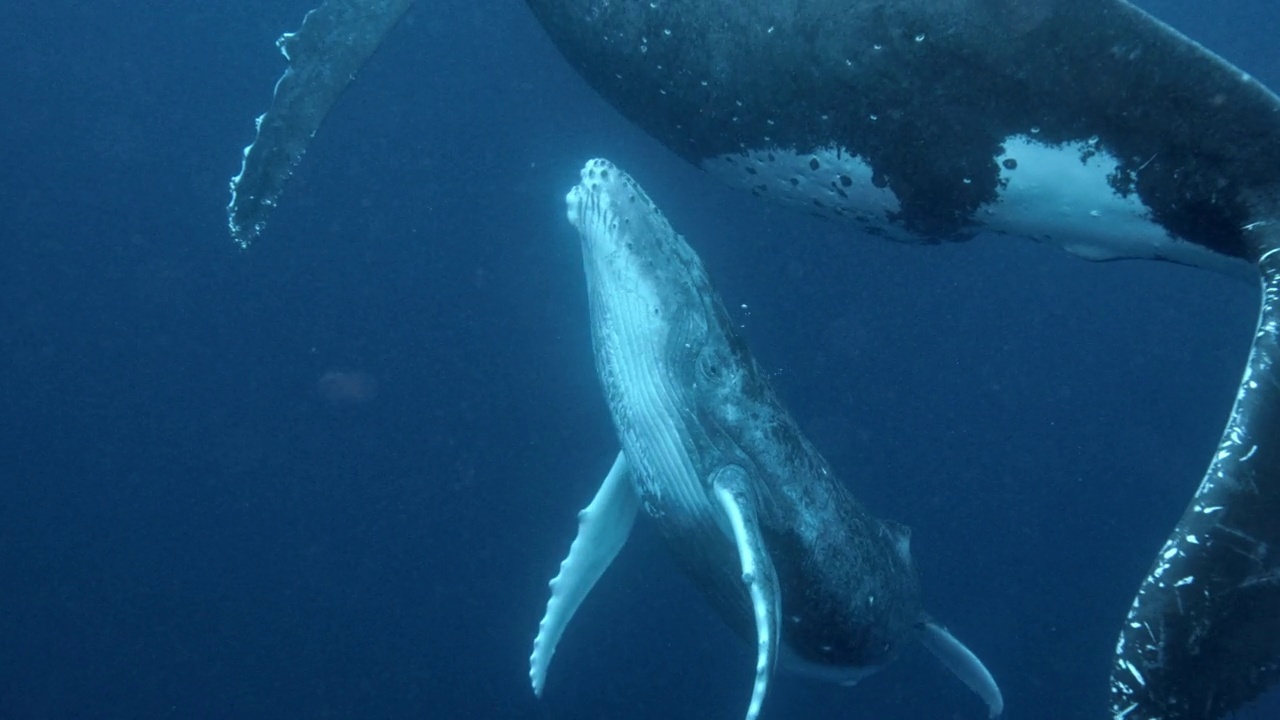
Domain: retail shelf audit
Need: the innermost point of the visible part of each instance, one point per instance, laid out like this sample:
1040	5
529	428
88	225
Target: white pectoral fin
731	491
603	527
961	661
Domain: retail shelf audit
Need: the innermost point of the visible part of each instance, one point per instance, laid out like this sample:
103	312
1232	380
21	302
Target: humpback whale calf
1083	123
749	509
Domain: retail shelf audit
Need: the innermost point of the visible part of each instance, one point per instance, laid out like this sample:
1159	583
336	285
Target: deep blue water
190	529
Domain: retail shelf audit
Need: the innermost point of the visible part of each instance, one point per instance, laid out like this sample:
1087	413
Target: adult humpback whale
747	506
1084	123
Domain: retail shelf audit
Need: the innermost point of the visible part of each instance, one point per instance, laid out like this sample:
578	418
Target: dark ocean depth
330	476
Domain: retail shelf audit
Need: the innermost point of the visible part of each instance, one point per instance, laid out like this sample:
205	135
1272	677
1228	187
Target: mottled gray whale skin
1083	123
749	509
919	119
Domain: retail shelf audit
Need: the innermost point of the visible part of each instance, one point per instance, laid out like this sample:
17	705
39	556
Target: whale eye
709	368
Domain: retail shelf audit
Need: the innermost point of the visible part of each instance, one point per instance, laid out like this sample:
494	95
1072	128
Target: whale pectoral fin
731	490
961	661
334	42
603	527
1202	637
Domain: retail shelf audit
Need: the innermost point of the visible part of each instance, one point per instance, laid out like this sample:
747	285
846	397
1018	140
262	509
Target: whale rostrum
749	509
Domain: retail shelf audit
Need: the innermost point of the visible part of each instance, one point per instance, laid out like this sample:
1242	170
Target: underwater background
330	476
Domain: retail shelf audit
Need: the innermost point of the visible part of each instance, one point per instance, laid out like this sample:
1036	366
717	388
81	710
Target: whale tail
961	661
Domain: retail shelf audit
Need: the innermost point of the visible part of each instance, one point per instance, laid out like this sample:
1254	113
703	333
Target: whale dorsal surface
1083	123
748	508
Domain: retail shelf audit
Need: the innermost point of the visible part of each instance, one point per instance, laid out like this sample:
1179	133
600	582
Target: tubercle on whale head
617	220
642	276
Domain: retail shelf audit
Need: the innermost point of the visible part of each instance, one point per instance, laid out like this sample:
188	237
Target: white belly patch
1058	193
